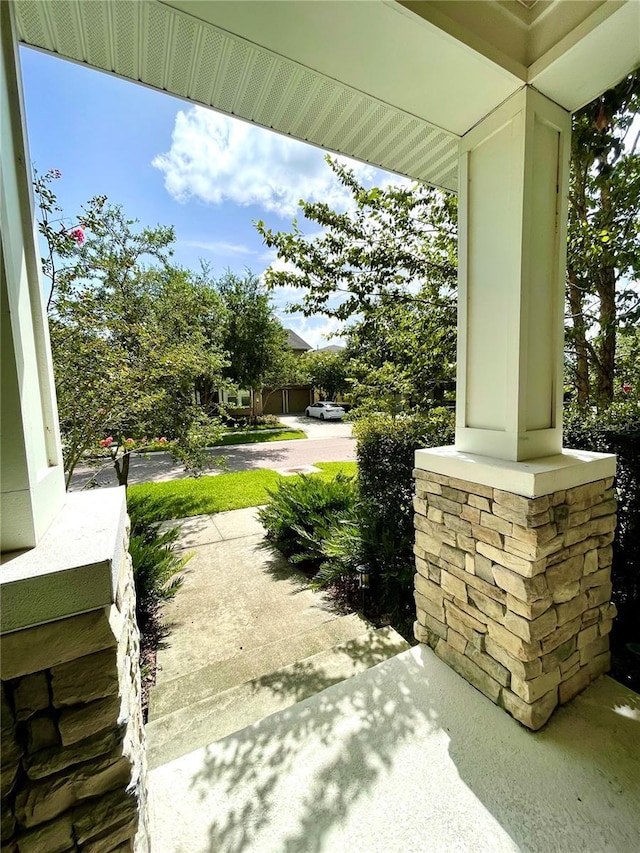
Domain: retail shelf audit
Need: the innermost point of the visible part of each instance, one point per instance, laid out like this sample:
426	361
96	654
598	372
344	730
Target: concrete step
169	696
210	719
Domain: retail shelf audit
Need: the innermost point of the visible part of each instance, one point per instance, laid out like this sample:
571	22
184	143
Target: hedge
617	430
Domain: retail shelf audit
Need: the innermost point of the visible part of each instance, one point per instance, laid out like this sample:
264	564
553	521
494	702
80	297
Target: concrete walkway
236	595
279	726
243	621
404	758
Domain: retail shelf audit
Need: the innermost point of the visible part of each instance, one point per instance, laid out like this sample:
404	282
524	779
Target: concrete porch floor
407	756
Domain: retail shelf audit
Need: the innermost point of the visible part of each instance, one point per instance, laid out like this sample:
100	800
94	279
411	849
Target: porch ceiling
392	84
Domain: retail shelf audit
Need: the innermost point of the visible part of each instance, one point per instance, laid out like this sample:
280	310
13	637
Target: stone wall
514	593
73	763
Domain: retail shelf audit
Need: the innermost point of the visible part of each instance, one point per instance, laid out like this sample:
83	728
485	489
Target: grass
330	469
206	495
252	438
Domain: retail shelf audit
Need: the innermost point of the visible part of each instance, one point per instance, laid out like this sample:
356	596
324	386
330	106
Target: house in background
332	348
292	399
297	344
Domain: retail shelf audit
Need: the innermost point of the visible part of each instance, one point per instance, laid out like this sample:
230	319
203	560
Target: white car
325	411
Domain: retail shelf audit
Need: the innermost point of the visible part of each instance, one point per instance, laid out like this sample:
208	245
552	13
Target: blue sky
169	162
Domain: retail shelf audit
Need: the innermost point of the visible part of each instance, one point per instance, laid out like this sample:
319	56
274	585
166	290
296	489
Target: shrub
191	448
301	512
155	565
617	430
386	448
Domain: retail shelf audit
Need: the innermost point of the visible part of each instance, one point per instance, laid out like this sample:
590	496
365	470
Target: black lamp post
364	580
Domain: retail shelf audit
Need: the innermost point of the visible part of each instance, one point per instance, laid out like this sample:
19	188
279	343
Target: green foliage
130	333
155	565
300	513
386	448
388	271
262	422
191	449
603	258
328	372
224	492
255	339
617	430
333	528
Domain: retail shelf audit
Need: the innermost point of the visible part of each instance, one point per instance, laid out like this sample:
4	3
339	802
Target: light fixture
364	576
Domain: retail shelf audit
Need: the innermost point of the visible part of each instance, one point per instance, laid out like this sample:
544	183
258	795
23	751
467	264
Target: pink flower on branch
77	234
107	442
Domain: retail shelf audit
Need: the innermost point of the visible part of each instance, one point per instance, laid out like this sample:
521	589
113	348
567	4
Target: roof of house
332	348
295	341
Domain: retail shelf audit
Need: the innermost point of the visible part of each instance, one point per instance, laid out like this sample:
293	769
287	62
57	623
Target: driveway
316	428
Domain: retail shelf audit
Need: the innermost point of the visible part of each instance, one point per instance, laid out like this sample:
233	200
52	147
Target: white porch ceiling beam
215	58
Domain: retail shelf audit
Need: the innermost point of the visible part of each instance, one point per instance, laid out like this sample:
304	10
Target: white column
512	254
32	481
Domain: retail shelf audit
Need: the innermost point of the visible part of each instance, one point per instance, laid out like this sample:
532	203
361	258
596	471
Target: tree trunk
606	285
122	469
579	338
607	340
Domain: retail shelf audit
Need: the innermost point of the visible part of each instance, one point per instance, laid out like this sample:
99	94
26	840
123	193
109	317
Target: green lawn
252	438
257	434
205	495
330	469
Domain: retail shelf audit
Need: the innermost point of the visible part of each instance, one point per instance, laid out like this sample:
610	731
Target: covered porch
472	97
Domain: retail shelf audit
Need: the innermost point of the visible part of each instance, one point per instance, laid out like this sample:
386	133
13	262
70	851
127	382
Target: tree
604	237
328	371
253	336
129	338
387	271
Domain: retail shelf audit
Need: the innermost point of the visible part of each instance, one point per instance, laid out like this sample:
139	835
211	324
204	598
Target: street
330	442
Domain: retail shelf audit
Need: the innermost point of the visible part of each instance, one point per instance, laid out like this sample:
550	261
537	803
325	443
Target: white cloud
217	247
215	158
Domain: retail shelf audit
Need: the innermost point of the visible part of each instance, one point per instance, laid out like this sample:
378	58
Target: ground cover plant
368	522
156	572
301	512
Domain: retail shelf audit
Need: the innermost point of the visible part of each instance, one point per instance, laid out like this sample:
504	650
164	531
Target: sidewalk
243	621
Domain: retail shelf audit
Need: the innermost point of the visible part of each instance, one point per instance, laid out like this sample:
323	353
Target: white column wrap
32	476
513	214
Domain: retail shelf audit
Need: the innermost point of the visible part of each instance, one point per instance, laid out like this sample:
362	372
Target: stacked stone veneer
73	763
514	593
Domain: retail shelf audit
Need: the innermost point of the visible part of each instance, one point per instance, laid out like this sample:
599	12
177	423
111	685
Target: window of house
237	399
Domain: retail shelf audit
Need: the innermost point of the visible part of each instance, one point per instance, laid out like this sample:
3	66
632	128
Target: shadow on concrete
256	759
414	751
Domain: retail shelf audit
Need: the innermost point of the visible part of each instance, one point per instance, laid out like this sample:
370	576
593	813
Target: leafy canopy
130	332
386	269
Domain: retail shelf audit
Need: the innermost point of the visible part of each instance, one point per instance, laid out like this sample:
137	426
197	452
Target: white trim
75	567
533	478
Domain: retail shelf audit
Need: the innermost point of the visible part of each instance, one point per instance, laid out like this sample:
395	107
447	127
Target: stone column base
513	591
73	748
